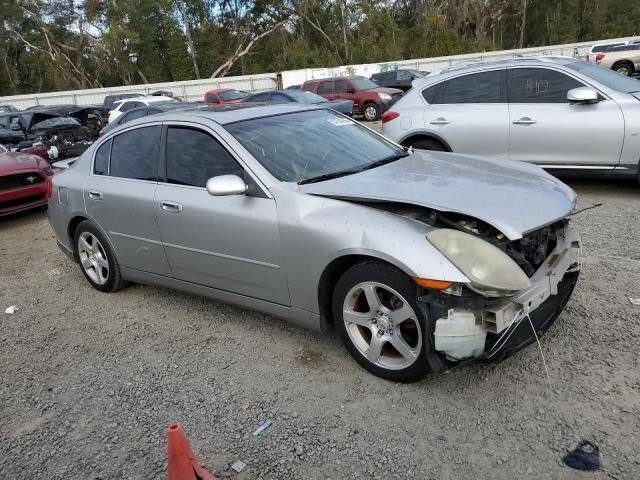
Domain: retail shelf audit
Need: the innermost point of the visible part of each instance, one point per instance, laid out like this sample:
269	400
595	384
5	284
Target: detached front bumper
508	321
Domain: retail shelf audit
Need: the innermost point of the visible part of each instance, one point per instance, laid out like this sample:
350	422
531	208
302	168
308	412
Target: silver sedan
420	260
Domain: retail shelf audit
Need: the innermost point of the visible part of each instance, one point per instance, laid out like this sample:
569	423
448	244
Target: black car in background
94	117
340	105
148	110
63	136
397	78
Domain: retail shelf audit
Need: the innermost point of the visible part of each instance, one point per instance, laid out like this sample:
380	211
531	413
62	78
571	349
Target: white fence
194	89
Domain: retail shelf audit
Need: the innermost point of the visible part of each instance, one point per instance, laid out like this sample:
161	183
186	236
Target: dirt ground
89	381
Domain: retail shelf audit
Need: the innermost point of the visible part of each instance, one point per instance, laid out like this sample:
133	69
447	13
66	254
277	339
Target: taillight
49	193
599	57
388	116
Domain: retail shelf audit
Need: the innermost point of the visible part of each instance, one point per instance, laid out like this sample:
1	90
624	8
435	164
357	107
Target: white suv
557	112
123	106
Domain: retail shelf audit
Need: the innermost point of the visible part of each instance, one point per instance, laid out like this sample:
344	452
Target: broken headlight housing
490	270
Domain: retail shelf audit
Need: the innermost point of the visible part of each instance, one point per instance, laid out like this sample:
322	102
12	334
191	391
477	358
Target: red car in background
224	96
369	99
25	181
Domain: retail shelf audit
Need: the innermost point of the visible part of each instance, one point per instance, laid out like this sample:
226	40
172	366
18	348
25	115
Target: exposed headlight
384	96
488	267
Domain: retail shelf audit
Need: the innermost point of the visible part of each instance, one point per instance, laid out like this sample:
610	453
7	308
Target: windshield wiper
327	176
343	173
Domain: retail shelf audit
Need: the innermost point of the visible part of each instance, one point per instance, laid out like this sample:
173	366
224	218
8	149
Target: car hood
514	197
15	161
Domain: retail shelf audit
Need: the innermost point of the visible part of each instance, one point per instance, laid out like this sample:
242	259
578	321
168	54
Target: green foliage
71	44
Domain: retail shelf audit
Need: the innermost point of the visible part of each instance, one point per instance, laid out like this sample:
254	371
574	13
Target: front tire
371	112
97	259
378	320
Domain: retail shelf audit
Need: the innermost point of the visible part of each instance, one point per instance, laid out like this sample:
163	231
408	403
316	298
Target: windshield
302	146
232	95
362	83
55	122
606	77
306	97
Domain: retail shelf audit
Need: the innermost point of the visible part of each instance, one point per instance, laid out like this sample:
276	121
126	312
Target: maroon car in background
369	99
25	181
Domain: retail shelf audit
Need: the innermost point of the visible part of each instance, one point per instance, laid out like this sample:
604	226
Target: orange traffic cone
181	462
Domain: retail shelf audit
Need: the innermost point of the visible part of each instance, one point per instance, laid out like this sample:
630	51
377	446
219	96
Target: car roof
147	98
479	66
237	112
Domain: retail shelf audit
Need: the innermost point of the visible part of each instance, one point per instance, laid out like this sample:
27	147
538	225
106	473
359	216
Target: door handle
94	195
524	121
439	121
171	207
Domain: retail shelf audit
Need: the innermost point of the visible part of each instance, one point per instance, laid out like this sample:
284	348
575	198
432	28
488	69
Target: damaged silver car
420	260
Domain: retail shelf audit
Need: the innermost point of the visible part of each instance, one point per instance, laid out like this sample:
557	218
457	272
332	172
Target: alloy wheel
382	325
623	70
370	113
93	258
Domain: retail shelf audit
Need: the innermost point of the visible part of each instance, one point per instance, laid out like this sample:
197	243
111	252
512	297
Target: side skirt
296	316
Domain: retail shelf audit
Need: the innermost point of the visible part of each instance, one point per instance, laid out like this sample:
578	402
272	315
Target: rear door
119	195
325	89
548	130
231	243
470	113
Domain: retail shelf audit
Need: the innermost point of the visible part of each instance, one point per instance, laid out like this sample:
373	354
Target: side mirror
224	185
582	95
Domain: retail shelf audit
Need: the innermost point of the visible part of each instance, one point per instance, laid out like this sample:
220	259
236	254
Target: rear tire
624	68
426	144
378	320
96	258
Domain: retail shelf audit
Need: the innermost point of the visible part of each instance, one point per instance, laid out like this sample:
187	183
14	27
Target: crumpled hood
514	197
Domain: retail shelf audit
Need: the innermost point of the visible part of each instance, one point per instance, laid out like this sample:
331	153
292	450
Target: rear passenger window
539	85
193	157
484	87
325	87
135	154
133	114
101	162
341	86
278	97
431	94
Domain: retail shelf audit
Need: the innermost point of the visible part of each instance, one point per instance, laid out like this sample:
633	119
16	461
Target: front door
470	113
548	130
231	243
119	197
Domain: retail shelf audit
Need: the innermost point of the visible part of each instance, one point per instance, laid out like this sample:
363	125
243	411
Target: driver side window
194	156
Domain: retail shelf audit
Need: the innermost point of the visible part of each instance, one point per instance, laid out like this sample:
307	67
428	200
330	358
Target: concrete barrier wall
194	89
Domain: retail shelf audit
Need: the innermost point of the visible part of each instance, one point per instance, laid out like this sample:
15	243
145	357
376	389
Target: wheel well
426	136
71	229
330	276
623	62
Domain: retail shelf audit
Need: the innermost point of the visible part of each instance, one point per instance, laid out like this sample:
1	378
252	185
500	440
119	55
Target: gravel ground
89	381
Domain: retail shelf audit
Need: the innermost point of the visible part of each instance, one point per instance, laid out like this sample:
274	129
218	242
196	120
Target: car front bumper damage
509	322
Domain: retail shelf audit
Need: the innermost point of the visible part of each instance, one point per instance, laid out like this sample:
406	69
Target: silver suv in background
557	112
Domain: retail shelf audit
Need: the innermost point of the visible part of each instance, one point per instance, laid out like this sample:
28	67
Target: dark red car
369	100
224	96
25	181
